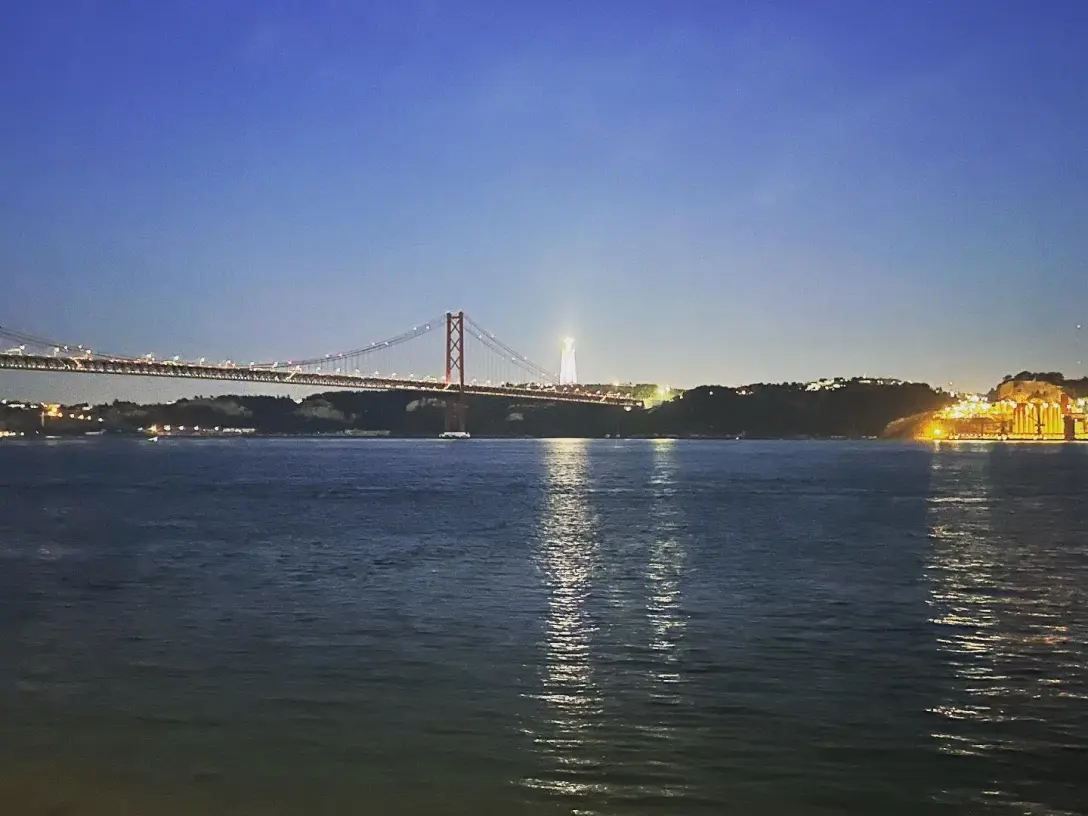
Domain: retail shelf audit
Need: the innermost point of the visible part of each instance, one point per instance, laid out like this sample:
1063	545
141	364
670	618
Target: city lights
1039	417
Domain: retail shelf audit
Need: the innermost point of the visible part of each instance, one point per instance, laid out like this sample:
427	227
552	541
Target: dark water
305	627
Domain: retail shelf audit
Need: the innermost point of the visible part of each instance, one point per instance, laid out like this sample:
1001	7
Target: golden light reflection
568	560
997	600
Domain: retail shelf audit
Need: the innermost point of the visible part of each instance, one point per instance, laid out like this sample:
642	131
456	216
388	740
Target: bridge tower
456	405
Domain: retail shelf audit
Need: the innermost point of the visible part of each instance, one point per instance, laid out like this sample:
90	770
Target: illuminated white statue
568	371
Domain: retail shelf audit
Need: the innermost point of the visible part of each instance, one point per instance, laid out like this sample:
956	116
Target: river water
542	627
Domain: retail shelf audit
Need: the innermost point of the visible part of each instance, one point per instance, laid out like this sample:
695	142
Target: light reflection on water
1008	614
666	732
542	627
666	567
611	684
568	560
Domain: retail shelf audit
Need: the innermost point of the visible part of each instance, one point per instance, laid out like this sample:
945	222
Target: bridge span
505	373
281	376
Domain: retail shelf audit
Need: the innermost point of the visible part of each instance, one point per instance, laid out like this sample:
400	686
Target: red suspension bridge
408	361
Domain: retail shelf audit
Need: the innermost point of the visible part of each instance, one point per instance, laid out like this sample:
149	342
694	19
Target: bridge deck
283	376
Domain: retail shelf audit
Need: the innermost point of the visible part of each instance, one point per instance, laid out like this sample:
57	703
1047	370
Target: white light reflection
663	608
571	699
663	723
1000	599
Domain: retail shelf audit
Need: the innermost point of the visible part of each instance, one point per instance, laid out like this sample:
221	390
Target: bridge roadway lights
282	376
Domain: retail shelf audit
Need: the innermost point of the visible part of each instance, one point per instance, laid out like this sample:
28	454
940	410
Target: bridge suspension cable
416	331
37	342
539	373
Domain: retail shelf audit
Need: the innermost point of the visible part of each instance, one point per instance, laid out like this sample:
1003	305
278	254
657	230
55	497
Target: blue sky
697	191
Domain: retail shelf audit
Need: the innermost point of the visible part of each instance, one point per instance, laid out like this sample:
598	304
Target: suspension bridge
409	361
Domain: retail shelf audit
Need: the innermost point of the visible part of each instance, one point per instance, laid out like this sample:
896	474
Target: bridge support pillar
456	414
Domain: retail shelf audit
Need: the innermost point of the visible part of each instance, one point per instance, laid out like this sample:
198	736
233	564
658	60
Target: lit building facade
1056	418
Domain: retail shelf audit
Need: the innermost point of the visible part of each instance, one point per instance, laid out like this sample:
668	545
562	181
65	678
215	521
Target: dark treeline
853	409
848	408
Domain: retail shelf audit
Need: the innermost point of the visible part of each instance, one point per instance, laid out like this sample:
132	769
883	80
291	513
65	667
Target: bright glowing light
972	405
568	369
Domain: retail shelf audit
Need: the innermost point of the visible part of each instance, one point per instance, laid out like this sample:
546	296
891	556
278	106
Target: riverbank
836	409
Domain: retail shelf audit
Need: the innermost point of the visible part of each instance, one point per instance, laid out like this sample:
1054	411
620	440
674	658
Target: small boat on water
454	435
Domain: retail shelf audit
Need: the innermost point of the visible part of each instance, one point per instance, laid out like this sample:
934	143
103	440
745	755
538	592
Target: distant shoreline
138	437
134	437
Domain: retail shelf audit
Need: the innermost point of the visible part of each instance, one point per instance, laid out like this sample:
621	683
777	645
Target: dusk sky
699	192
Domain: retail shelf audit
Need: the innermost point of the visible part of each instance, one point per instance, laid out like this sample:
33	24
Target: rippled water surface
418	627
